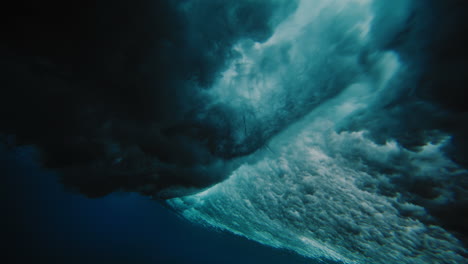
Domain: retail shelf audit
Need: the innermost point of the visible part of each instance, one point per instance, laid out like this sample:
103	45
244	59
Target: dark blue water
333	128
43	223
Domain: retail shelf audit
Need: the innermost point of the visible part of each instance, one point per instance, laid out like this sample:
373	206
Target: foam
322	193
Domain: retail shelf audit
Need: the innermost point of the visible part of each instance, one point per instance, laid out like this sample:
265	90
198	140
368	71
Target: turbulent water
327	186
336	129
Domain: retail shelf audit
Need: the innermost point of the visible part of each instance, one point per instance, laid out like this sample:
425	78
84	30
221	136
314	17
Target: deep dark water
335	129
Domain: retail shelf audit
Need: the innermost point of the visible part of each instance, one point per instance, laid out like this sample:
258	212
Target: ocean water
44	223
322	187
243	131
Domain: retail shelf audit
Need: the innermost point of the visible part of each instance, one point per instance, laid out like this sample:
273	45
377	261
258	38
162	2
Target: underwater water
294	131
324	187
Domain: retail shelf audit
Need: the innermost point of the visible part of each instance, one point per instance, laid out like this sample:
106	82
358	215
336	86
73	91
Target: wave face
365	171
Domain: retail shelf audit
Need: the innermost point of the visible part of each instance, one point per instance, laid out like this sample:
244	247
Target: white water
315	190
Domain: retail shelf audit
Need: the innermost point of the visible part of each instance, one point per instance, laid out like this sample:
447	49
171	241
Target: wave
328	186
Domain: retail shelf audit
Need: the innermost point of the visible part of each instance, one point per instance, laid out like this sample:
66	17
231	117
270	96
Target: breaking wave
326	187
